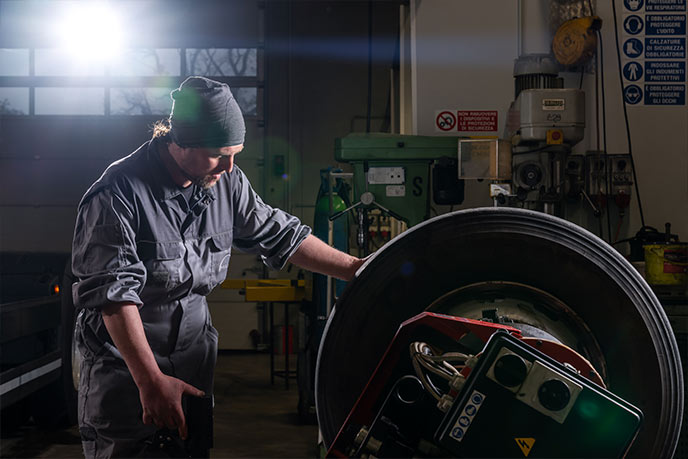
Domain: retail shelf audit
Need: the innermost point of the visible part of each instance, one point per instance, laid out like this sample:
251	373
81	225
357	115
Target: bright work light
90	31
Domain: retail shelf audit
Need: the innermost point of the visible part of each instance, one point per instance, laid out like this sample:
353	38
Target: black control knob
554	395
510	370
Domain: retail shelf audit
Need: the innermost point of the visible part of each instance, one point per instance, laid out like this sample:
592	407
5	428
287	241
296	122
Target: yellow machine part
575	40
666	264
269	290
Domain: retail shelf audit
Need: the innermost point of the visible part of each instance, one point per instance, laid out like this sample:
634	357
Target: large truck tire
580	290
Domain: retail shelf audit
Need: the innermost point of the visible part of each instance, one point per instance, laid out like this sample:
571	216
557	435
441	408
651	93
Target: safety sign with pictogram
526	444
633	94
633	5
463	423
445	121
449	120
654	49
633	47
633	24
633	71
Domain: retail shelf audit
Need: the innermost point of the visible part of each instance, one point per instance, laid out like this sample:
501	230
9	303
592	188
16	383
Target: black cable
580	82
607	165
597	102
628	129
599	133
370	64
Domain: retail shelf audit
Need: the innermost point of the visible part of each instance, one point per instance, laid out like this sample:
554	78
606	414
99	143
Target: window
14	62
58	62
70	101
137	82
214	62
140	101
14	101
148	62
247	98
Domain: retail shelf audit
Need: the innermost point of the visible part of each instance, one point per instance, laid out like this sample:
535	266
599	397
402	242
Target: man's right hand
161	395
162	402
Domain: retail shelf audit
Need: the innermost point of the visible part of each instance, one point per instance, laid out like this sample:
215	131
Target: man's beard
206	182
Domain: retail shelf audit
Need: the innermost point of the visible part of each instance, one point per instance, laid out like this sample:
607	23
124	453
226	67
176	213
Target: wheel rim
533	311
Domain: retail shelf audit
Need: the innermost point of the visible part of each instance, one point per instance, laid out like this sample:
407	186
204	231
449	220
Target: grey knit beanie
205	114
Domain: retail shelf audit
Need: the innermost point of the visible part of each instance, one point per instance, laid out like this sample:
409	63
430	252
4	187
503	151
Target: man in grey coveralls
153	237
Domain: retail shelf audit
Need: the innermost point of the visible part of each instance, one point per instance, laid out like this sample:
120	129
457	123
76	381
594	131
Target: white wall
462	58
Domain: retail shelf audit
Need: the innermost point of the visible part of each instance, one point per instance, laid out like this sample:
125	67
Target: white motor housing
542	110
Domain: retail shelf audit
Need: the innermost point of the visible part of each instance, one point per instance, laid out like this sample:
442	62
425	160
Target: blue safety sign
632	94
665	47
633	24
457	432
633	47
665	71
633	5
633	71
665	94
665	5
665	24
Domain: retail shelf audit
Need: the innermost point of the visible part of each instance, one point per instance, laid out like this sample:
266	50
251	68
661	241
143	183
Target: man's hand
161	395
314	255
162	402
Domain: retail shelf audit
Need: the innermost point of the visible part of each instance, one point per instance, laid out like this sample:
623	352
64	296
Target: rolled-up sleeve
104	258
262	229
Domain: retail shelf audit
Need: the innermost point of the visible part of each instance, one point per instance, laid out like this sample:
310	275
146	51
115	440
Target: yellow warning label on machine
526	444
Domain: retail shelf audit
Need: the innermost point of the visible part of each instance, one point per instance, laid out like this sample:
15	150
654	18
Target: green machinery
401	175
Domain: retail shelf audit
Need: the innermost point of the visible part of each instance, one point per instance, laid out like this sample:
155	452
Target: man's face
205	166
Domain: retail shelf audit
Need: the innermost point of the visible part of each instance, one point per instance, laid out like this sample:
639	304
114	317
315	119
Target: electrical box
552	410
543	111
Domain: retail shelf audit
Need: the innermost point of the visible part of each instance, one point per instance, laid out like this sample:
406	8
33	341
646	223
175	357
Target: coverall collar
165	188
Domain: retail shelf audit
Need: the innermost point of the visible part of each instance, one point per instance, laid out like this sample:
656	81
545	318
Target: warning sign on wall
655	52
445	121
477	120
466	120
665	94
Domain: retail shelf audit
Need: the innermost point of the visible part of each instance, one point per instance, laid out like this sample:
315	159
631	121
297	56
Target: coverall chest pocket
219	250
164	262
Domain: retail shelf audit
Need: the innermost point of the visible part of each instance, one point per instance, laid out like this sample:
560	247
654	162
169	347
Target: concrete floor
252	418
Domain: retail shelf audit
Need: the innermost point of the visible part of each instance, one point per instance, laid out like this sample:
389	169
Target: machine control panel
549	392
386	176
517	397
